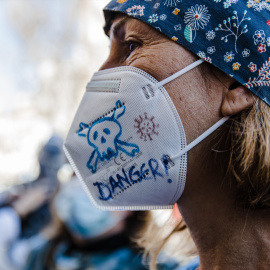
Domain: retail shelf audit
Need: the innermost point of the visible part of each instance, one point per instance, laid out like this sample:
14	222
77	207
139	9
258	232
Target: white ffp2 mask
127	143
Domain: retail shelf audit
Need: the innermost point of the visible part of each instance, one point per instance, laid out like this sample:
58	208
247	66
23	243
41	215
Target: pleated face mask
127	143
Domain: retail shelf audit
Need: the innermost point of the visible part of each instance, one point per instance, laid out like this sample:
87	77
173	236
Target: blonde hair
172	238
250	155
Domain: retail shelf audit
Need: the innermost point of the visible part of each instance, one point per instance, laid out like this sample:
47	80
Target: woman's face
197	95
201	96
134	43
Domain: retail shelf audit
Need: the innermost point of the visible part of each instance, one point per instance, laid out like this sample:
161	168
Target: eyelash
129	44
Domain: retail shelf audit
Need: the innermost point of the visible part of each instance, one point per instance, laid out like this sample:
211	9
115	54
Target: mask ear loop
208	131
202	137
177	74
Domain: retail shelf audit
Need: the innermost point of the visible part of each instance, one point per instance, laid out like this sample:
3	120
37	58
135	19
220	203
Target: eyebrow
117	27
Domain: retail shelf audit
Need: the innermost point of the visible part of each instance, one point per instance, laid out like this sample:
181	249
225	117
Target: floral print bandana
233	35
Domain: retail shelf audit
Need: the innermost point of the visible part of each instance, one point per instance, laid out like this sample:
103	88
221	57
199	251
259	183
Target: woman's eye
133	46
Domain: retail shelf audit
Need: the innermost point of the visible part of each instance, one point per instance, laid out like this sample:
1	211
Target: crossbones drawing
103	135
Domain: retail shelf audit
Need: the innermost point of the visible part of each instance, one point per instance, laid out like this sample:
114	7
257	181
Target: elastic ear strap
179	73
202	137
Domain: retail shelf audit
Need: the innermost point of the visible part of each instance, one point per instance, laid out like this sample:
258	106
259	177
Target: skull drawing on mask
103	135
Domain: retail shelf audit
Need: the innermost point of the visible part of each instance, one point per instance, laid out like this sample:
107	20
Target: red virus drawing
146	127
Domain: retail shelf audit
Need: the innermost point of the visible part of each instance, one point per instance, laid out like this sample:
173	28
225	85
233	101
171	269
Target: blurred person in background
25	208
51	159
143	136
83	237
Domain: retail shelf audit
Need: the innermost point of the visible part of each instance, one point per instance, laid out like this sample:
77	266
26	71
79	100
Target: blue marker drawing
104	136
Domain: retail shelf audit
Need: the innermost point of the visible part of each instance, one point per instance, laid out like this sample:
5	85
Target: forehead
122	23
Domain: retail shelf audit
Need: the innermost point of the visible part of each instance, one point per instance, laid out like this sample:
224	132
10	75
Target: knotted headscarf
233	35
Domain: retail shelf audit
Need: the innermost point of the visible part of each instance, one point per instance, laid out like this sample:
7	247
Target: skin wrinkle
216	79
218	227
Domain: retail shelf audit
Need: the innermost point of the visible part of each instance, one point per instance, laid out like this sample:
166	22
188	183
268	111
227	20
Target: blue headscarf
233	35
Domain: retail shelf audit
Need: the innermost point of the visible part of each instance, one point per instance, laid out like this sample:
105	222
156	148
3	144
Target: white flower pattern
163	17
211	50
153	18
228	57
210	35
201	54
259	37
246	53
197	17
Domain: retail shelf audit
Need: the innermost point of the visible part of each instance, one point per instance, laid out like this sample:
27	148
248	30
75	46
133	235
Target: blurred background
49	50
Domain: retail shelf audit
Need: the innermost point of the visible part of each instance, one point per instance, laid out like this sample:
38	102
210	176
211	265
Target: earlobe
236	100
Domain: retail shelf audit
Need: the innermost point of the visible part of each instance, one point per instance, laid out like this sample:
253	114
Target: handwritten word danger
124	180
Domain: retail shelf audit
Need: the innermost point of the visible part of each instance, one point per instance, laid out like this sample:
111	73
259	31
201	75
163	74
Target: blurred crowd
46	224
25	209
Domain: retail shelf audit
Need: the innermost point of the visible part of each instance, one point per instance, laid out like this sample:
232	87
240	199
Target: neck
242	244
227	236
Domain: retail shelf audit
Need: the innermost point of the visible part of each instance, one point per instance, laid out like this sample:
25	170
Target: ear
236	99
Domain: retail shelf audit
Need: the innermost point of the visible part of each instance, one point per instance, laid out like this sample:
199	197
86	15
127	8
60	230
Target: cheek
161	60
151	61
